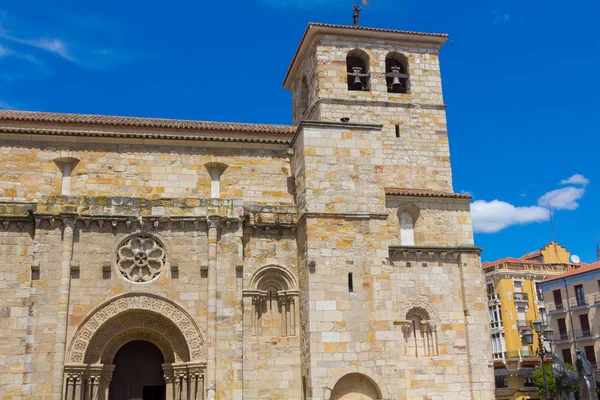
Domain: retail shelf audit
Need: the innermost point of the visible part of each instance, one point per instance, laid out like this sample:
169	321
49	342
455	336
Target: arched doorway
355	386
138	372
155	328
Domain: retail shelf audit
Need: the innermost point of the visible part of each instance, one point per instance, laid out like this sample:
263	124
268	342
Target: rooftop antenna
597	250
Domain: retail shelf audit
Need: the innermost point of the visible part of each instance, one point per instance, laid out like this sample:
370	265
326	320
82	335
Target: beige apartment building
189	260
572	300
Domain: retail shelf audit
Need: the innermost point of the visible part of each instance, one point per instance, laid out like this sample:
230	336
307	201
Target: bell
396	83
357	82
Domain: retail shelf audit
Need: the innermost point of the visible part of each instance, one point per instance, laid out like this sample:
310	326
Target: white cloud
562	199
495	215
576	179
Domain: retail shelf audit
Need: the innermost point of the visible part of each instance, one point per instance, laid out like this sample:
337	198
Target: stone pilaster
63	305
211	373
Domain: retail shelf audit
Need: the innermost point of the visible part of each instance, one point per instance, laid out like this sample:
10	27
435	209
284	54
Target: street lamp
544	333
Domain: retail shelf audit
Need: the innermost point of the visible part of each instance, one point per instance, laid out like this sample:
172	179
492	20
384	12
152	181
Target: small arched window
303	103
420	334
396	73
357	68
407	229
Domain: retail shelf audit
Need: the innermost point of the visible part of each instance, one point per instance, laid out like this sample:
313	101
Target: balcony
578	302
518	354
523	324
552	307
584	333
521	297
561	336
596	298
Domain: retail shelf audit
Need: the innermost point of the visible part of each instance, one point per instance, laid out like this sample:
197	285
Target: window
566	356
407	229
518	286
350	283
490	288
396	75
529	381
501	382
585	326
580	295
538	291
558	303
398	133
590	354
35	273
303	104
174	272
562	329
357	64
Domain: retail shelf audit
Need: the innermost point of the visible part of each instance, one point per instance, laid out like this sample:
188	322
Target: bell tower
383	241
378	76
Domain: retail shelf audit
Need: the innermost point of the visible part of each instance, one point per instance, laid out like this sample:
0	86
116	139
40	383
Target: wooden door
138	366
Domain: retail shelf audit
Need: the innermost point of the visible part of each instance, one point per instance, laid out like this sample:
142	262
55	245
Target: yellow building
515	301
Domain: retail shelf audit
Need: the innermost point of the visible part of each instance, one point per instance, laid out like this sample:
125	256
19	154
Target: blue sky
520	80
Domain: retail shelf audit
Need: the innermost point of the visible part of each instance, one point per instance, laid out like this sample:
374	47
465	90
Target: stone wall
151	170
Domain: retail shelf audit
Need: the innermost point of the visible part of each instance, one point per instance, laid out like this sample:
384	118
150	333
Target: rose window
140	258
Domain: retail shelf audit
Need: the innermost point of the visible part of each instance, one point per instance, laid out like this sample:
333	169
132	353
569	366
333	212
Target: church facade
189	260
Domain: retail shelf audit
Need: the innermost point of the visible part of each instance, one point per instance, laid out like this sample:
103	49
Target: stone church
156	259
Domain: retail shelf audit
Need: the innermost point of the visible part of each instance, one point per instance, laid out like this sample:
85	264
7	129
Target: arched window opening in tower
357	68
396	73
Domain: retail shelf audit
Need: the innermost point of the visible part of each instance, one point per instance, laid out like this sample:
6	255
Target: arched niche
355	386
420	330
274	293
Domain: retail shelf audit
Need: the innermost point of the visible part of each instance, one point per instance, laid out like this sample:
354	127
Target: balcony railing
500	355
578	301
523	323
561	336
584	333
518	354
494	297
521	297
550	307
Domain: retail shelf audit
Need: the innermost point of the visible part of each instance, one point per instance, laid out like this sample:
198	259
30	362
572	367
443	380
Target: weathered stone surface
304	280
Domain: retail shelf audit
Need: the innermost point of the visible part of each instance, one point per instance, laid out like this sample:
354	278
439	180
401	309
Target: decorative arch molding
419	303
273	274
367	373
145	312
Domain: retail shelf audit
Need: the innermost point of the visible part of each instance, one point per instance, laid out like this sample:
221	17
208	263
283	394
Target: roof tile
88	119
424	193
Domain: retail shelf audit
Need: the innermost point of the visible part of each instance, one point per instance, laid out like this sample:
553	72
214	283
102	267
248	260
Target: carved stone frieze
137	311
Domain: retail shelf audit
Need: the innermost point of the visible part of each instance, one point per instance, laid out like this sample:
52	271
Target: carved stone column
105	379
74	381
169	377
196	381
180	372
211	373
